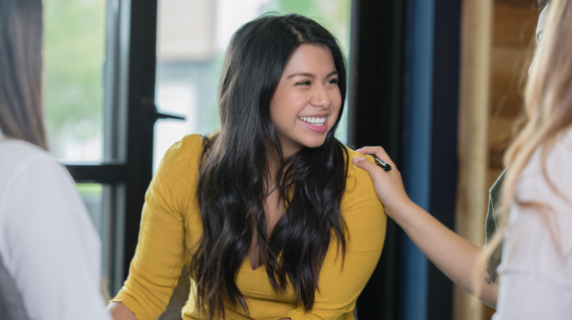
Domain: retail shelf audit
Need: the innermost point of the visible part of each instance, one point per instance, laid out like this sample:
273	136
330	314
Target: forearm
457	258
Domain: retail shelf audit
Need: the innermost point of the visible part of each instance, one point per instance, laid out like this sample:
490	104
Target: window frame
129	82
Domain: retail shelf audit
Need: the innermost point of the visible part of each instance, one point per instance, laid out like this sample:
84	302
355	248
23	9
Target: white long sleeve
536	272
47	240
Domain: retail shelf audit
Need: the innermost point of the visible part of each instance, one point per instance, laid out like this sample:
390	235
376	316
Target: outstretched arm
457	258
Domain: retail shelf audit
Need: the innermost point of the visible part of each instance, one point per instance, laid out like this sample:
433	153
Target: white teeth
314	120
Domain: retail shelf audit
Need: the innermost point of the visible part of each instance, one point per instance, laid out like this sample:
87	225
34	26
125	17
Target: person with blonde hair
536	272
50	252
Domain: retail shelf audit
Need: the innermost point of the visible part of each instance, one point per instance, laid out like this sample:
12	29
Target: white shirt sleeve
536	270
52	248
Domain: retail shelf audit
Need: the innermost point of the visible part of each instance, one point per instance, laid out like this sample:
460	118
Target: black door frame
375	118
132	118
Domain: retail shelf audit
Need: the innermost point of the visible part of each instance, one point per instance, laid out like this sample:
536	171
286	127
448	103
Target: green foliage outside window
74	53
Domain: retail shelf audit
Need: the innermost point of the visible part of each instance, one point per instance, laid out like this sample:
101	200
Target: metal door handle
151	112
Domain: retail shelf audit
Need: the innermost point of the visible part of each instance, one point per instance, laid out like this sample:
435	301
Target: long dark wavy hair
21	40
235	180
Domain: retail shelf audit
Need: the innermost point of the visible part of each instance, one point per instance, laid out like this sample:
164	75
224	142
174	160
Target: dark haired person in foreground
271	216
50	252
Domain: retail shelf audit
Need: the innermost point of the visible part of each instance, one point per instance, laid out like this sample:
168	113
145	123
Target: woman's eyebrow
311	75
302	74
335	72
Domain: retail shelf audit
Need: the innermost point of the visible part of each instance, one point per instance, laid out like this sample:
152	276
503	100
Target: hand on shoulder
388	185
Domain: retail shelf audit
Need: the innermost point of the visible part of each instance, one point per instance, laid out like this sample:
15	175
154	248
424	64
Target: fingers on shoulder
359	182
361	161
378	151
371	150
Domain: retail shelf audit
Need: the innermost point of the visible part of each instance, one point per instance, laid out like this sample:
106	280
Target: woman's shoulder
18	157
189	147
184	155
178	171
548	170
356	174
547	181
28	172
359	186
18	153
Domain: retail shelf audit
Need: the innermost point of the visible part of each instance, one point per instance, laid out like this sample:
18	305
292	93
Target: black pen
384	165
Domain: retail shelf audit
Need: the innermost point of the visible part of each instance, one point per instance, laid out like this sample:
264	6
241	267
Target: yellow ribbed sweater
171	226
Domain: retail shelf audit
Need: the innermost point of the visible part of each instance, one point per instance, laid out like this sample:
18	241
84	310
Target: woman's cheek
338	106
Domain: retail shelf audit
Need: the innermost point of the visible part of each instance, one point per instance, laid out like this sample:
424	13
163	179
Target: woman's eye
303	83
333	81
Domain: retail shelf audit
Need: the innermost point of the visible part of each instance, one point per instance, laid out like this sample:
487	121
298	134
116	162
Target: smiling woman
269	214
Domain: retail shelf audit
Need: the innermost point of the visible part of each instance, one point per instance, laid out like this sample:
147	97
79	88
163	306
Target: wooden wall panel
473	123
513	37
513	25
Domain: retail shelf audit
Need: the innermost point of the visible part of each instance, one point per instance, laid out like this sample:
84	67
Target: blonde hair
548	107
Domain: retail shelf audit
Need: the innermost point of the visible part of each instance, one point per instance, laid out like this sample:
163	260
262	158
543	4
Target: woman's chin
314	143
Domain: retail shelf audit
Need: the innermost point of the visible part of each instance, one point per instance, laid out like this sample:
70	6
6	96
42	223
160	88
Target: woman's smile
316	123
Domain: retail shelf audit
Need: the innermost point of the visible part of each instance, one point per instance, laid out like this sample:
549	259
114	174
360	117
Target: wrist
400	209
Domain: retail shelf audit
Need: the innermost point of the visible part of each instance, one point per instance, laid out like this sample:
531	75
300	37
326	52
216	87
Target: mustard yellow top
171	225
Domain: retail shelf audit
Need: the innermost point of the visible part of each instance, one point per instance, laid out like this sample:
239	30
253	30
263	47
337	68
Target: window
83	112
95	197
74	58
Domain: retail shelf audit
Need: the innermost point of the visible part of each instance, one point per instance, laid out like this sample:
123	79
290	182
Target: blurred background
436	82
192	37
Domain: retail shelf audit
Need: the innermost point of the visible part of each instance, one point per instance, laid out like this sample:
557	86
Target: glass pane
192	38
96	199
74	57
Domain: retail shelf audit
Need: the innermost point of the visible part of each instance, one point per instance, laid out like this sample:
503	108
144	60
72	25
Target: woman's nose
320	98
